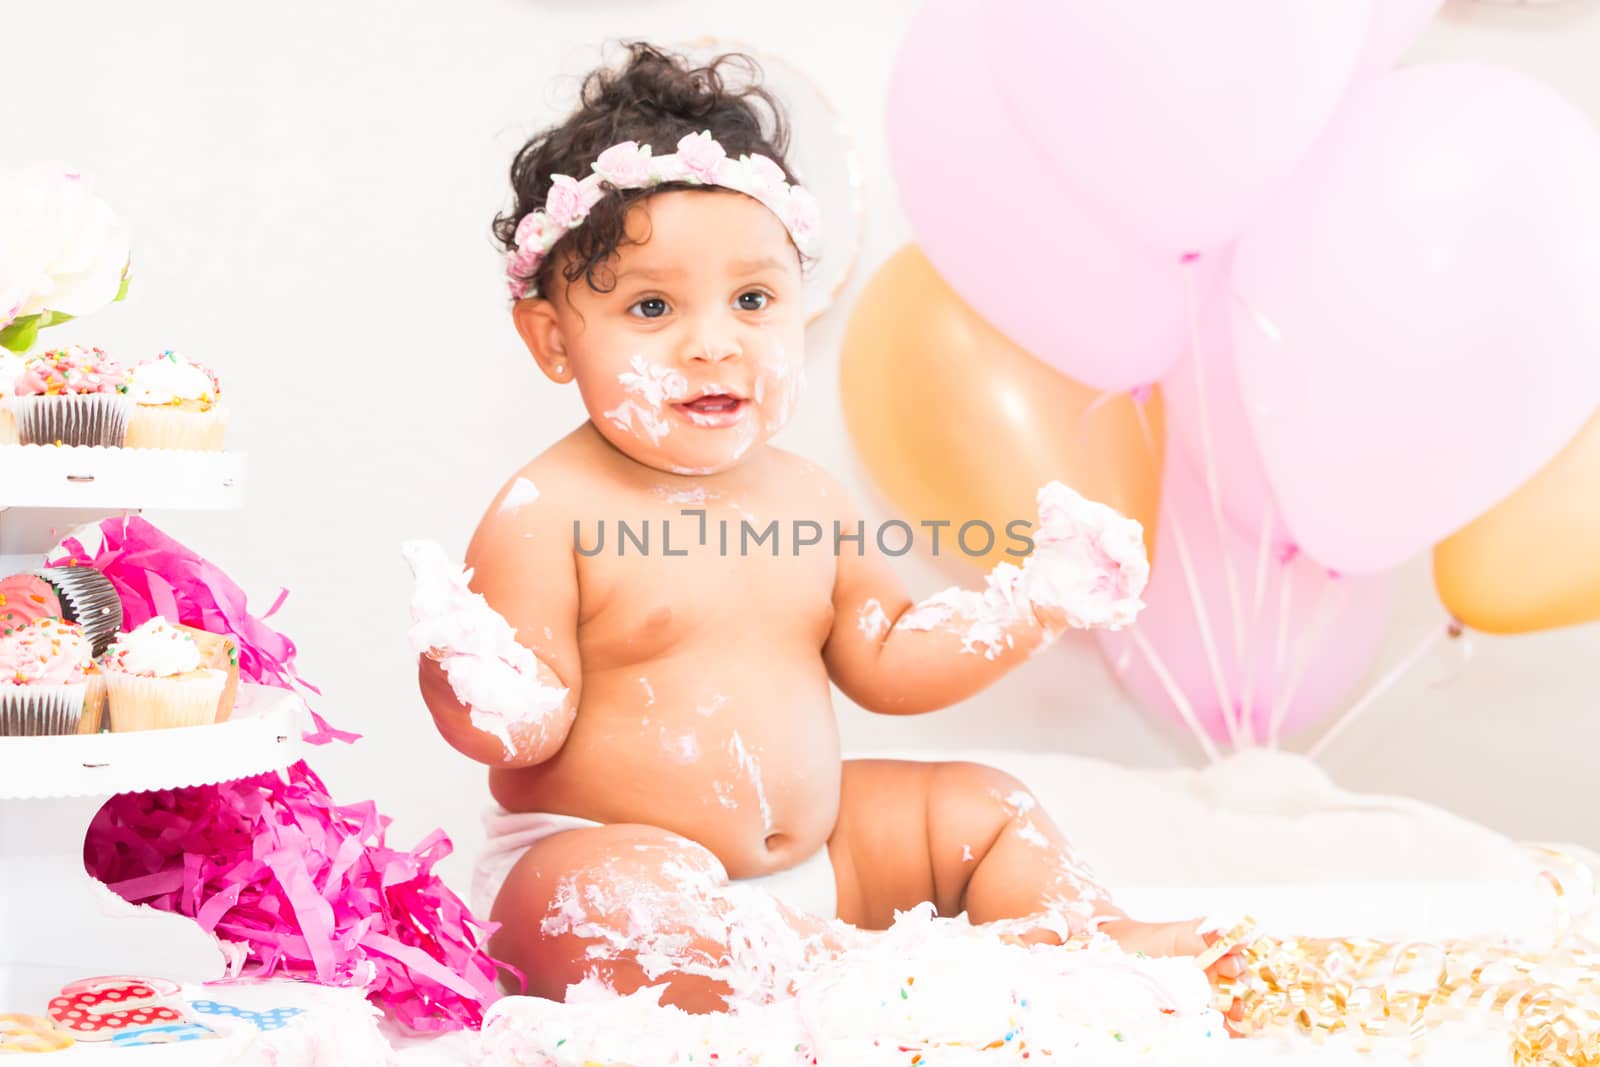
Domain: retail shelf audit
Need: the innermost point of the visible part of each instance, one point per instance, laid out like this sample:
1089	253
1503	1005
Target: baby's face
695	356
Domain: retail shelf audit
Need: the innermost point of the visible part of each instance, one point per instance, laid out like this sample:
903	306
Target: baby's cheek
778	389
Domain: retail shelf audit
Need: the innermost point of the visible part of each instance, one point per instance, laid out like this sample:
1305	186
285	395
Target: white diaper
808	886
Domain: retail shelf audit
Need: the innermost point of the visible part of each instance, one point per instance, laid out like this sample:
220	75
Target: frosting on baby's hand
1088	565
491	673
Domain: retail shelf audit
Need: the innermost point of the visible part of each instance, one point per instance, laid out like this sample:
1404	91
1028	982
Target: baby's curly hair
654	98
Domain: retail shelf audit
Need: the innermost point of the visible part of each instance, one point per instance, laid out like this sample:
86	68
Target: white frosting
520	495
10	370
935	986
659	922
872	620
156	649
1088	562
335	1029
650	389
493	675
746	762
168	379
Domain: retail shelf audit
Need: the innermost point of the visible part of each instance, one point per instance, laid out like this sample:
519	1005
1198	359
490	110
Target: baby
659	601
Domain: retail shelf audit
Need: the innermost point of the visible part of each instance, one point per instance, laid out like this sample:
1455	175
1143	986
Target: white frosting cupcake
177	404
154	679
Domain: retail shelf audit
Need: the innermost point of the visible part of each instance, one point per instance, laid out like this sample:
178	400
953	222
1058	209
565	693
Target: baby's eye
754	300
651	307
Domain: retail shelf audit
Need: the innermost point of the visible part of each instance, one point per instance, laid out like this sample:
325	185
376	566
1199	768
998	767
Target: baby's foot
1178	939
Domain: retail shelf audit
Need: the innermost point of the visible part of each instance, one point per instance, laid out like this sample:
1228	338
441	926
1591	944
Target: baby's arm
889	655
499	663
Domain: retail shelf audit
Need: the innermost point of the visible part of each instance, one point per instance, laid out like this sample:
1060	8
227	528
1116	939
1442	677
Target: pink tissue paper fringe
270	862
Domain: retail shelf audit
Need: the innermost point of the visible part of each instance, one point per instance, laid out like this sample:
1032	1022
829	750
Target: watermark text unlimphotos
749	537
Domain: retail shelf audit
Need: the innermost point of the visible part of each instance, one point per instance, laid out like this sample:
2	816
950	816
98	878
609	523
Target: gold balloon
955	422
1533	561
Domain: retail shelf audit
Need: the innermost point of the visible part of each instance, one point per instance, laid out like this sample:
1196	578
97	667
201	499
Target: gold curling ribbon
1547	999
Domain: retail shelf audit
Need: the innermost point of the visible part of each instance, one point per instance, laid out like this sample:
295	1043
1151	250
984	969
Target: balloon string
1248	703
1213	490
1197	600
1451	630
1280	656
1305	648
1174	694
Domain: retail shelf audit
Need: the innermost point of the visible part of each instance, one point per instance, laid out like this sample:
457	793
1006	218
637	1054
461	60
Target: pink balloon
1415	323
1396	24
1241	476
1305	662
1003	231
1176	117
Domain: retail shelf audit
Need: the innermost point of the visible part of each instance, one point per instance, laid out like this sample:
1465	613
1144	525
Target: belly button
775	842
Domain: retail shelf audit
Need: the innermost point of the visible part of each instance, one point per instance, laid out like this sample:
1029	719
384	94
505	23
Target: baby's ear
541	331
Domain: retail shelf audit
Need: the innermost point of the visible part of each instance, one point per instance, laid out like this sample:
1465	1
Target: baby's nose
715	349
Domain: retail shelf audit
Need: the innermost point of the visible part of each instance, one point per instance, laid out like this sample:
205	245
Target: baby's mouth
713	409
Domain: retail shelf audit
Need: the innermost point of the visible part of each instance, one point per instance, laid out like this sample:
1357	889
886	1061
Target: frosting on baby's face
694	358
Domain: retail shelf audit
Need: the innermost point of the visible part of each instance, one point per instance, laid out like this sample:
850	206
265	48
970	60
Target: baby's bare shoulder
538	500
810	483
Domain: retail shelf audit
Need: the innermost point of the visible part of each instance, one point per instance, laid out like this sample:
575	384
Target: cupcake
87	598
43	679
26	598
10	371
70	396
176	404
156	678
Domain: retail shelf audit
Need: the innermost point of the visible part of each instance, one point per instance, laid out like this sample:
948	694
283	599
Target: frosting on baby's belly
743	760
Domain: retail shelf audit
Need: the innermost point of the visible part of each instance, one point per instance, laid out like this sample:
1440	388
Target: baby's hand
1088	566
501	683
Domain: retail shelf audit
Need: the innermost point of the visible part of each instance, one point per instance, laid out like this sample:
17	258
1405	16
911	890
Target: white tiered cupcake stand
57	923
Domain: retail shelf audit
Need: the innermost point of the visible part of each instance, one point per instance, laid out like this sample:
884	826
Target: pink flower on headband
625	165
521	266
566	205
532	232
629	165
698	155
764	179
802	215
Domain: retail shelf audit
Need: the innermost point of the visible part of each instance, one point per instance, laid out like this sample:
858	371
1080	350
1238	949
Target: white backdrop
310	186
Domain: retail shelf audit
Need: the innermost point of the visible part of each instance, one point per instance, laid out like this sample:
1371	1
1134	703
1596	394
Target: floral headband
700	160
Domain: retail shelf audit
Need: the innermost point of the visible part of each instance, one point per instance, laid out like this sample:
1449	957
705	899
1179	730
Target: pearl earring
561	368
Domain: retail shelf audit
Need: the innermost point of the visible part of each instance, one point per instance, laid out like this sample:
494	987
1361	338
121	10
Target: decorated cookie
30	1033
271	1019
101	1010
164	988
168	1034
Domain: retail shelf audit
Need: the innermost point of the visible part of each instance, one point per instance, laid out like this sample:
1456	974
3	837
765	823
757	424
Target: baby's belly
743	759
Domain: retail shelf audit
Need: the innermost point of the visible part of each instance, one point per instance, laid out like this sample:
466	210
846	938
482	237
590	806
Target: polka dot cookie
169	1034
98	1011
271	1019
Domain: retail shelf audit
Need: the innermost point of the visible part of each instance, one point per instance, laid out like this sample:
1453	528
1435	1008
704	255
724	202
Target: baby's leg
971	838
635	905
965	836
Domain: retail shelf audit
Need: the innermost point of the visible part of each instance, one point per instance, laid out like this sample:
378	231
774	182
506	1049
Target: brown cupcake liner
41	710
89	599
85	419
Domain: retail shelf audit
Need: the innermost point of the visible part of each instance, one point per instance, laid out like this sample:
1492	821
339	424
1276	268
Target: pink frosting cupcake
71	396
44	678
26	598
